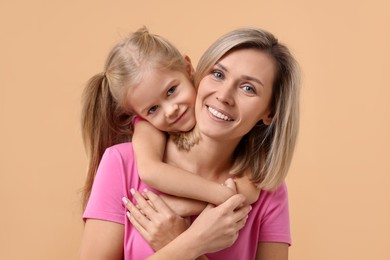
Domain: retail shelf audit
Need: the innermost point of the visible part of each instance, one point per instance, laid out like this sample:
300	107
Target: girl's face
164	98
235	95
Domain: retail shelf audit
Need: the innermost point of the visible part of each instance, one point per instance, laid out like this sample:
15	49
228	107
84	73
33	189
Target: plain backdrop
338	183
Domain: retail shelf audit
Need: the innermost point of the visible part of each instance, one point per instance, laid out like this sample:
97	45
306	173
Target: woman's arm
149	145
104	227
102	240
214	229
272	251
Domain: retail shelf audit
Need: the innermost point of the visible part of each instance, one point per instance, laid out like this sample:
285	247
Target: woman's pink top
117	174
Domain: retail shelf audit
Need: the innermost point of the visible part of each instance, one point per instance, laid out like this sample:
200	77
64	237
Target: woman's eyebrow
246	77
219	65
253	79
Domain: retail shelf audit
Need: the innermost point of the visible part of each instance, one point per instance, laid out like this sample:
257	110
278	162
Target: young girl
147	76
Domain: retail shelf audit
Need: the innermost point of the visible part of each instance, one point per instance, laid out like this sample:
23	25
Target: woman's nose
225	94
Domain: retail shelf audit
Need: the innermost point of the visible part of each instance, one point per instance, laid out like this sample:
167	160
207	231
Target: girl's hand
231	185
154	220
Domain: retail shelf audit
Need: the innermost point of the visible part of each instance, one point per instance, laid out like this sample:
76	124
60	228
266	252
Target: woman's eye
249	89
217	74
152	110
171	91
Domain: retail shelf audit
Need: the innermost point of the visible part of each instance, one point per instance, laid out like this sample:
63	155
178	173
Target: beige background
340	178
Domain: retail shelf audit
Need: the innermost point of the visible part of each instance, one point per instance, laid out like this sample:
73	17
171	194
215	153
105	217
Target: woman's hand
154	220
217	227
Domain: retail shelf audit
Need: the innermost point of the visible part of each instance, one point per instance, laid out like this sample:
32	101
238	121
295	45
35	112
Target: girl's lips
177	119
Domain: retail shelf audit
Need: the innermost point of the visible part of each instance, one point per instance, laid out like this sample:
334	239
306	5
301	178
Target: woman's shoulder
279	193
274	198
123	150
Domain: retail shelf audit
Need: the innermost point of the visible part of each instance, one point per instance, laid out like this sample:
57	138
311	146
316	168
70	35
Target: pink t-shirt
117	174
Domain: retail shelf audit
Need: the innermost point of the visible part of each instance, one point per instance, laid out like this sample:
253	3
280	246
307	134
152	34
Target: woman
247	121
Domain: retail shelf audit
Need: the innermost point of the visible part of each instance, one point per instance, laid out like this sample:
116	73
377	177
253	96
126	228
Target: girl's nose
171	110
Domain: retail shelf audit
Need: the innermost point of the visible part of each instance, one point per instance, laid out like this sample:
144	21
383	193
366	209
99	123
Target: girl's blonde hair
106	119
267	150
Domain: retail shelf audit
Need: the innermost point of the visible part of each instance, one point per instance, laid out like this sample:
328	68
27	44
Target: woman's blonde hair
267	150
106	119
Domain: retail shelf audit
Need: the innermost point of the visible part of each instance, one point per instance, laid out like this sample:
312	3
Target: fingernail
145	190
125	200
132	191
250	208
128	214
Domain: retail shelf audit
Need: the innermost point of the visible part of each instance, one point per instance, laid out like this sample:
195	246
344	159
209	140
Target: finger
234	202
241	223
146	208
137	225
241	213
158	203
147	199
136	213
140	210
231	184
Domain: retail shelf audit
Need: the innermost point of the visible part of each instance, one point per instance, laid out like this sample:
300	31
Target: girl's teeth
218	114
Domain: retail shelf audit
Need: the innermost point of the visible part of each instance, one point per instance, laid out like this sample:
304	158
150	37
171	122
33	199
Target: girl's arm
149	145
189	207
102	240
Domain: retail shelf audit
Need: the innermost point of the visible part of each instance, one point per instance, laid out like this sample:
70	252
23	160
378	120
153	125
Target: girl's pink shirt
117	174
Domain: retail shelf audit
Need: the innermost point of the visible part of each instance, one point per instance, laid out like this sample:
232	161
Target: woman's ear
268	119
190	69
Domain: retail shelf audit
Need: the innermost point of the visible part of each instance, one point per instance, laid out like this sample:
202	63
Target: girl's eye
171	90
249	89
152	110
217	74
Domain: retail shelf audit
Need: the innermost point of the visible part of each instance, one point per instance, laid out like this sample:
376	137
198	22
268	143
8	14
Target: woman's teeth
219	114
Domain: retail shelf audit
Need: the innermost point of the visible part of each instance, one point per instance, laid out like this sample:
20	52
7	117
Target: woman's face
235	94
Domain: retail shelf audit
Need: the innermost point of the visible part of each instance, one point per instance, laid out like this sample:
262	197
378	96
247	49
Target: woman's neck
210	159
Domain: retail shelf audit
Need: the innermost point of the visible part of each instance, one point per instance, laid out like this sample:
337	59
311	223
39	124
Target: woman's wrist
192	245
184	247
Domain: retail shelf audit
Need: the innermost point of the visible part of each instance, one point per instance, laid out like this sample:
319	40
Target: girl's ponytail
104	123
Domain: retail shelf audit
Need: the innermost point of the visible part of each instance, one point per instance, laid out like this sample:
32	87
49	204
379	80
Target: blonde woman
247	112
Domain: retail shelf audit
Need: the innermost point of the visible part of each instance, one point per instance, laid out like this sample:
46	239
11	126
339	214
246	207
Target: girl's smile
165	99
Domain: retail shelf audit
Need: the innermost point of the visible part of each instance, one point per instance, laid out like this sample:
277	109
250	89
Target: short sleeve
105	201
135	121
275	226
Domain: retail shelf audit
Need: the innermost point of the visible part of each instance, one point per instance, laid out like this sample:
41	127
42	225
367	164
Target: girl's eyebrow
246	77
164	90
146	109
